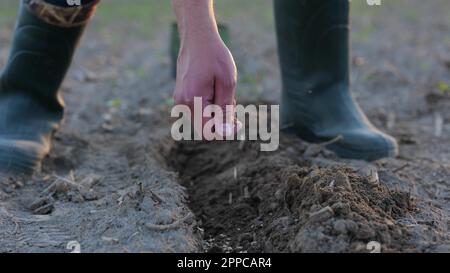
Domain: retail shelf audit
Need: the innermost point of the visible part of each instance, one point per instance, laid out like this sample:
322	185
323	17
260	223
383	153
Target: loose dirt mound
277	202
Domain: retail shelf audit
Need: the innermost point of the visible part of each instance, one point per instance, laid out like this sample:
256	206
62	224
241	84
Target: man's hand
206	67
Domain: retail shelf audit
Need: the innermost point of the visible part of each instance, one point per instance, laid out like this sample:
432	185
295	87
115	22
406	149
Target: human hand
206	68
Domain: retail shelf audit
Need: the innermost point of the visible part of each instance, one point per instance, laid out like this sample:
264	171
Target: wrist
196	22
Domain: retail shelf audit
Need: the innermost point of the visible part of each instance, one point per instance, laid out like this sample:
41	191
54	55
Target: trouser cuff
74	14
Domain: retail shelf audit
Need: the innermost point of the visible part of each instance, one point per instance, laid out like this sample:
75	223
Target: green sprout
116	103
443	87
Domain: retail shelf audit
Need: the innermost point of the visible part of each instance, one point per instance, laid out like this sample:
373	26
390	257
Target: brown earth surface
116	182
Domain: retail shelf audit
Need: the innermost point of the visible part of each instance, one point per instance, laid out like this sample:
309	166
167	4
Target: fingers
202	120
224	97
212	120
205	114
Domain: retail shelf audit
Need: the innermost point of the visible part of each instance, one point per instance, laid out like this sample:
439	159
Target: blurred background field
401	50
147	17
118	22
401	42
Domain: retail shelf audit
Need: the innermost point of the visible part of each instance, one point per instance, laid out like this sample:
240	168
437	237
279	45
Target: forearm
196	21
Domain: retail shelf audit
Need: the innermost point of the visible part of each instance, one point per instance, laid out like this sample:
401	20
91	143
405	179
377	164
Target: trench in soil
251	201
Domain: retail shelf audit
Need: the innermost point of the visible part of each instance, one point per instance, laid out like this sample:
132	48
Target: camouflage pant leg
63	13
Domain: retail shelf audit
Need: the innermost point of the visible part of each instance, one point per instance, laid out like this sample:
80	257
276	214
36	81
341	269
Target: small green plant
169	102
115	103
443	87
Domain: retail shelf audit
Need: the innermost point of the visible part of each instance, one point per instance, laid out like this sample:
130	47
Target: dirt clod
321	215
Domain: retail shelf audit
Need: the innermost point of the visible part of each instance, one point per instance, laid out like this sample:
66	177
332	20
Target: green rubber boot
30	108
313	42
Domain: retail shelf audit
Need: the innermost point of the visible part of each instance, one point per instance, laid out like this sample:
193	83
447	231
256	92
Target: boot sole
367	155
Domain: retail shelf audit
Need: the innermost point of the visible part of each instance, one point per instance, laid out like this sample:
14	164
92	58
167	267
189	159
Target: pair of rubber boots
313	39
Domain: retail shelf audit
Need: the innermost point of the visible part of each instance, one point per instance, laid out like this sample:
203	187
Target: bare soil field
116	182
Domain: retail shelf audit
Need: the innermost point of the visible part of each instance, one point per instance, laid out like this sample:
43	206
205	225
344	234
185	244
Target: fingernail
225	130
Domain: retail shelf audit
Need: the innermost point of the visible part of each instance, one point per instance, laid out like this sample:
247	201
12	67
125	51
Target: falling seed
438	124
235	173
242	142
72	176
230	198
373	177
332	184
391	120
246	194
